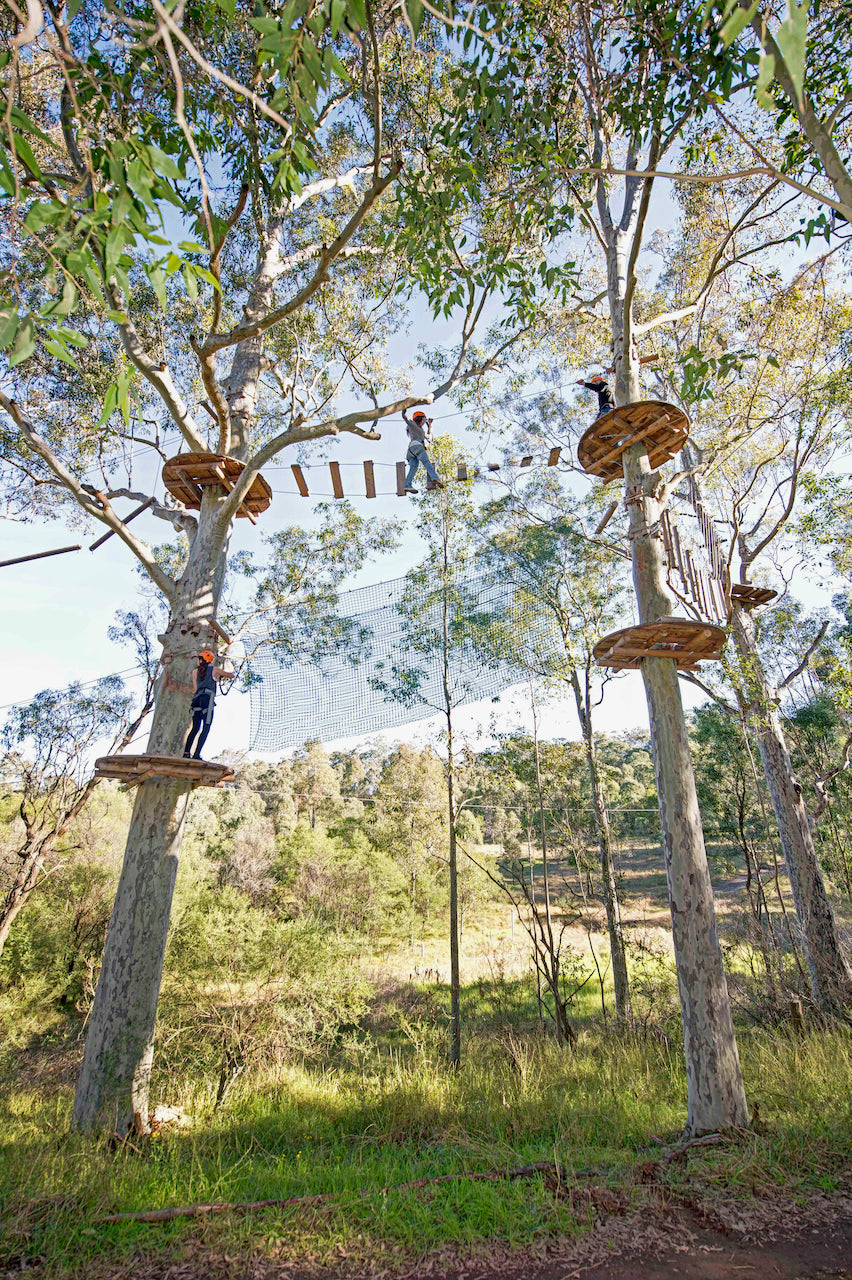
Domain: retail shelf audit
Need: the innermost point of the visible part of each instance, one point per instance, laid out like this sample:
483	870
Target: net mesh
384	666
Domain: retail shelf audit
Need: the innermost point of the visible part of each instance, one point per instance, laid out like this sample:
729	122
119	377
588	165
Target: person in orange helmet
606	400
203	700
419	430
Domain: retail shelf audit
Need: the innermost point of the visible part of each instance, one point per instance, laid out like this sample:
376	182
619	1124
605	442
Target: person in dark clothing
419	429
202	702
606	400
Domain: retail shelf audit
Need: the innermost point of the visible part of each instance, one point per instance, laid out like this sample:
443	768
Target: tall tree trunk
715	1092
455	971
612	906
828	969
112	1090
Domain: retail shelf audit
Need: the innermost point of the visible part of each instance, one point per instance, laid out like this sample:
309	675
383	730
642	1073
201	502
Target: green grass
382	1115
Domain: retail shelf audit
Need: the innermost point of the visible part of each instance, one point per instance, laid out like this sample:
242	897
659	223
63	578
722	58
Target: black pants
199	722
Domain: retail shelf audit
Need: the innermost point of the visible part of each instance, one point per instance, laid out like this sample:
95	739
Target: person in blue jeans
203	701
419	429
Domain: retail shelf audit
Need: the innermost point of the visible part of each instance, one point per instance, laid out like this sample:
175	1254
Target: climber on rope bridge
419	429
606	400
206	675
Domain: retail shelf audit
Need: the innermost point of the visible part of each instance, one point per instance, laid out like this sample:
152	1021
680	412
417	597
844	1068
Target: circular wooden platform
750	597
135	769
686	642
661	427
188	474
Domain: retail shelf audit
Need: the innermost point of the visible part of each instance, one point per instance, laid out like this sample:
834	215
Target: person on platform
598	384
203	700
419	429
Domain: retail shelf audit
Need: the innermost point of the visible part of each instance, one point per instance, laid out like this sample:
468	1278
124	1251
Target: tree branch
100	511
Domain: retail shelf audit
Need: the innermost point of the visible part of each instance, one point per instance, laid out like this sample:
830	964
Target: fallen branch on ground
249	1206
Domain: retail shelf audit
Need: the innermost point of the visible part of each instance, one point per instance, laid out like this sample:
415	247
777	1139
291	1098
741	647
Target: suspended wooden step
131	770
750	597
188	474
686	642
463	472
661	427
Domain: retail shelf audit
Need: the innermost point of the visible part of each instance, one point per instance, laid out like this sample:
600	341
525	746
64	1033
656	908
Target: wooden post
149	502
797	1017
39	555
369	480
400	479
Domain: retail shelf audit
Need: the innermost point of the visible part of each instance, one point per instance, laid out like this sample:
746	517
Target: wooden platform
661	427
132	770
750	597
188	474
686	642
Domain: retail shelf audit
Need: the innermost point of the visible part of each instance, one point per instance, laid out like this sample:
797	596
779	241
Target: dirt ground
760	1240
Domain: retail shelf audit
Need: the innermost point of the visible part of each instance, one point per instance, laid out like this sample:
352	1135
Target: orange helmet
208	655
418	415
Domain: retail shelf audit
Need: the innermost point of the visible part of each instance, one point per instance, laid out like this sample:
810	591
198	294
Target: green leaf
110	401
190	281
228	7
8	326
66	303
24	122
338	9
25	343
791	40
163	165
117	317
765	76
154	273
24	152
71	337
61	352
735	23
192	246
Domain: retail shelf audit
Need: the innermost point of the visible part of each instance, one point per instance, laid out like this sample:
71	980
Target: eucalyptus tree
769	436
201	248
578	584
438	622
48	744
581	127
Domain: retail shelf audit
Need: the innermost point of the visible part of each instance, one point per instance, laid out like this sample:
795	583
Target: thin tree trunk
20	892
715	1092
828	969
612	906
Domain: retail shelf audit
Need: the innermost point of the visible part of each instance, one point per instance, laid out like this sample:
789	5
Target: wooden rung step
369	480
337	487
301	483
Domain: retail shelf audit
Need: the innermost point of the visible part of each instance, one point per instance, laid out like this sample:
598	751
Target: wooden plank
595	465
40	555
494	466
400	479
554	457
608	514
526	461
334	468
369	480
300	480
461	470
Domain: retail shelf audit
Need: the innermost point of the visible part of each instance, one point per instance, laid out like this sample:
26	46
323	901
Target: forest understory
530	1159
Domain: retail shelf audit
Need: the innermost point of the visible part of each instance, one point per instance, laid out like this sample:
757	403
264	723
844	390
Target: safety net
390	651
